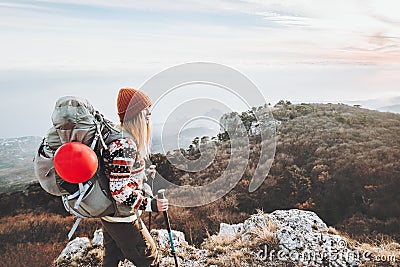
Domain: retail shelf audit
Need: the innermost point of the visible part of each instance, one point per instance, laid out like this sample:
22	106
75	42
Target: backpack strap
81	192
79	217
74	227
98	135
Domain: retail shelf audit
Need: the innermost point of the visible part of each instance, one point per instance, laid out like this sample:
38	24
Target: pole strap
73	229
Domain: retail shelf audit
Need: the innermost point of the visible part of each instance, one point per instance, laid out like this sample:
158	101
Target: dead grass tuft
332	231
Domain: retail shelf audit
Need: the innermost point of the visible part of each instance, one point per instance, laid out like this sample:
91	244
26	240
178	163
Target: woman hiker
127	237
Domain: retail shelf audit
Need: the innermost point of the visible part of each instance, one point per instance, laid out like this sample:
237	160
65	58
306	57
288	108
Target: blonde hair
140	129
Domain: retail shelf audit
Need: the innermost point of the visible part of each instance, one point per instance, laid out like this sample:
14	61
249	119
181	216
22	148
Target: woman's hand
152	171
162	204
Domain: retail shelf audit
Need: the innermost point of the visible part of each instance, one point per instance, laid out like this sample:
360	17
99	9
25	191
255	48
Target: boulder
75	248
97	240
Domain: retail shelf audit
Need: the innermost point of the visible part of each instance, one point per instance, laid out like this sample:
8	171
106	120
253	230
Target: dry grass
238	250
333	231
226	250
383	252
217	240
30	254
37	239
386	252
264	235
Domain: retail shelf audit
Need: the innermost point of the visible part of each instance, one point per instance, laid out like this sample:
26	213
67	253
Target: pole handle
152	167
161	193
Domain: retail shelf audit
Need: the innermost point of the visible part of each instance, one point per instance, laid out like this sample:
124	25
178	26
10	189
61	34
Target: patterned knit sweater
126	171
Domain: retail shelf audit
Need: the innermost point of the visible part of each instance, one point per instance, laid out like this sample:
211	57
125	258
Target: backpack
75	119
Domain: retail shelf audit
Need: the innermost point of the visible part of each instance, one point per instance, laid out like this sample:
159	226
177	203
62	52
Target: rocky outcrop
283	237
301	237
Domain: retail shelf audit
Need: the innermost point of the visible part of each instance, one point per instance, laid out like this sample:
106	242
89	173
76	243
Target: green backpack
75	119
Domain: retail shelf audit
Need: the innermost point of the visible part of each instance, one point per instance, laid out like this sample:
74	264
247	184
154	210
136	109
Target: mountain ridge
388	104
16	167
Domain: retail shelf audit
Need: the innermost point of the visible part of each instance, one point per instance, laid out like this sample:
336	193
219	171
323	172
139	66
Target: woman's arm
125	169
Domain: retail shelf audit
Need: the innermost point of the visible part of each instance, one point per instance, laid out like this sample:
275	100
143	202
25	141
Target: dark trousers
125	241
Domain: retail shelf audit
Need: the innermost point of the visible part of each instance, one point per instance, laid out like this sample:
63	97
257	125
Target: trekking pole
160	194
151	167
149	220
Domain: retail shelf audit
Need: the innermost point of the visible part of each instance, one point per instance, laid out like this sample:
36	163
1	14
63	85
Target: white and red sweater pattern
126	171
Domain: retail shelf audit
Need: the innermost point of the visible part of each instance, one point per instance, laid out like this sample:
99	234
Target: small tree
195	142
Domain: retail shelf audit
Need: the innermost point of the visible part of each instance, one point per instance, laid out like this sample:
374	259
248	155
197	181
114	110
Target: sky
303	50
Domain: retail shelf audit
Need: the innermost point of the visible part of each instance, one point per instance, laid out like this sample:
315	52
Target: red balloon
75	162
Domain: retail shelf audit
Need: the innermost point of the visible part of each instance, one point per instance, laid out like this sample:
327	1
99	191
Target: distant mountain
392	108
391	104
16	167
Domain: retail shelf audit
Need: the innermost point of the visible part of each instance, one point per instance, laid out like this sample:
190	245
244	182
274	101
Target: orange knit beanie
130	102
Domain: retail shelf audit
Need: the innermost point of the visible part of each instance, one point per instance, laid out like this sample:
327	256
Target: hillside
16	168
341	162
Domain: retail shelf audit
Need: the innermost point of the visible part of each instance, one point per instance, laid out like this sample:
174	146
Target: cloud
386	20
385	11
101	33
22	6
380	39
378	47
287	20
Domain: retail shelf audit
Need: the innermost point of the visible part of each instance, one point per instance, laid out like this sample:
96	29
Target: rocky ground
281	238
